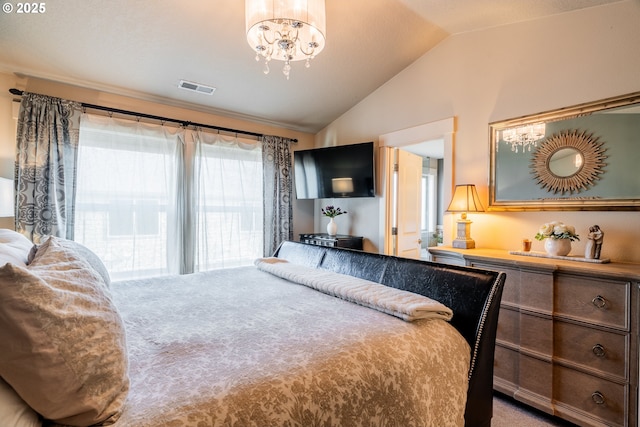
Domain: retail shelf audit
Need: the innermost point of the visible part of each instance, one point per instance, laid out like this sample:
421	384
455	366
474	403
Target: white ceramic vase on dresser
557	247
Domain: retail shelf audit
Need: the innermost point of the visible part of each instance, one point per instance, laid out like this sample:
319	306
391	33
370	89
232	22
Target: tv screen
335	172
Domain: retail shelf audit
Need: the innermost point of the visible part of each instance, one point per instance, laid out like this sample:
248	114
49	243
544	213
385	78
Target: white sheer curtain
127	185
228	201
154	200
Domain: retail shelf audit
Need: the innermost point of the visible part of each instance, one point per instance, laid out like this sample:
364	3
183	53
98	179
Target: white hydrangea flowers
557	230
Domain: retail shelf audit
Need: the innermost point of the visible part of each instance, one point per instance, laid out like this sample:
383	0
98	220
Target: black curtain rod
19	92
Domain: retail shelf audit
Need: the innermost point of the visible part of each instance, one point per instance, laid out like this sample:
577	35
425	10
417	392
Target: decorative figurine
594	243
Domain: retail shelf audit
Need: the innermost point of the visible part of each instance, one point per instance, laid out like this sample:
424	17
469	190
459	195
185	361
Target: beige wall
303	219
502	73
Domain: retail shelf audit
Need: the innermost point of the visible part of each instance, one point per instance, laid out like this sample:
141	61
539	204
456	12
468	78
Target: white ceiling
143	48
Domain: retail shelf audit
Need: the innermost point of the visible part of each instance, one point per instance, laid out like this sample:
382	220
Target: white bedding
241	347
402	304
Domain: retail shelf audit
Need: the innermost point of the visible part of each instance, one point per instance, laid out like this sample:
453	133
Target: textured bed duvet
244	347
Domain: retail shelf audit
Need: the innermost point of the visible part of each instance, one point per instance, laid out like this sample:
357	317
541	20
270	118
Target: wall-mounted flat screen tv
335	172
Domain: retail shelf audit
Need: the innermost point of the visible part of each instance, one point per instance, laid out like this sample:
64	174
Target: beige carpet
510	413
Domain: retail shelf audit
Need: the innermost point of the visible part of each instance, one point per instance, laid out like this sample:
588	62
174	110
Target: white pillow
82	252
62	341
14	412
14	248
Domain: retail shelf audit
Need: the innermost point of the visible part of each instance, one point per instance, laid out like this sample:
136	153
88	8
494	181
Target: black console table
337	241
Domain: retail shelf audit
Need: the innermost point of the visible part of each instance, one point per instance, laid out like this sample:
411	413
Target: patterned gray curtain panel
45	169
277	185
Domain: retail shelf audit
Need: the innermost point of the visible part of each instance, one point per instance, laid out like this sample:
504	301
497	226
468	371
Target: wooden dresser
567	339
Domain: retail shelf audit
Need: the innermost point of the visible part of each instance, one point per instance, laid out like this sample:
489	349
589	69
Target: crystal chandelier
286	30
524	137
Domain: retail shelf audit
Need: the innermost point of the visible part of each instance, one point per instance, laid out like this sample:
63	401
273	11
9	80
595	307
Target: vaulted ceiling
144	48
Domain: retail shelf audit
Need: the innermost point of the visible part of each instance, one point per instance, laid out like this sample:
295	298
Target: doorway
433	141
432	208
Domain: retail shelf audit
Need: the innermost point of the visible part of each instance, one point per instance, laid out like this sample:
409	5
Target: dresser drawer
536	335
511	291
601	302
450	260
535	375
591	396
529	289
591	348
505	367
509	326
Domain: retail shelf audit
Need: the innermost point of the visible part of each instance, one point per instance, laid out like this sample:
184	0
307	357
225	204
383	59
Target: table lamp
465	199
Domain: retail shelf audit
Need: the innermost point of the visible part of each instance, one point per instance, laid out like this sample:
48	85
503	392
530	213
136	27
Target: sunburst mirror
568	162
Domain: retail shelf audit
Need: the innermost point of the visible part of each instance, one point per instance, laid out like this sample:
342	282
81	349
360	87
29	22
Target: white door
409	204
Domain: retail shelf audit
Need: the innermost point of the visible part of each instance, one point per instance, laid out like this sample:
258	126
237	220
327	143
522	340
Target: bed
312	336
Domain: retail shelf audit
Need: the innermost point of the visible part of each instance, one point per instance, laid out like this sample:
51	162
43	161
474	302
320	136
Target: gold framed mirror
576	158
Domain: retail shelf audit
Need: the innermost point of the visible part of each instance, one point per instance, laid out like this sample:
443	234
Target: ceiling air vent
196	87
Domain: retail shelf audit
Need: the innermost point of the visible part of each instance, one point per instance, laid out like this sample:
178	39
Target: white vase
557	247
332	228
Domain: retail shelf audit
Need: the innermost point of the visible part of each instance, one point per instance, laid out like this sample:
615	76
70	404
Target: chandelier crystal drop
285	30
524	137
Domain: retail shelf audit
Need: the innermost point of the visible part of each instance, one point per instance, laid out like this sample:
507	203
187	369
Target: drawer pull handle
598	398
599	301
599	350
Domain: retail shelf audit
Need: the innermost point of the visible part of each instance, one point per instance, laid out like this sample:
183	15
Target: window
229	203
154	200
431	205
134	217
429	202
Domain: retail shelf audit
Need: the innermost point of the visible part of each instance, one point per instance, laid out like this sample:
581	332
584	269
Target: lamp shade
342	185
6	198
306	18
465	199
286	30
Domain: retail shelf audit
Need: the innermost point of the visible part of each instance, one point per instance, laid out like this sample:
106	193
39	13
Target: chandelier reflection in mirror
523	137
286	30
